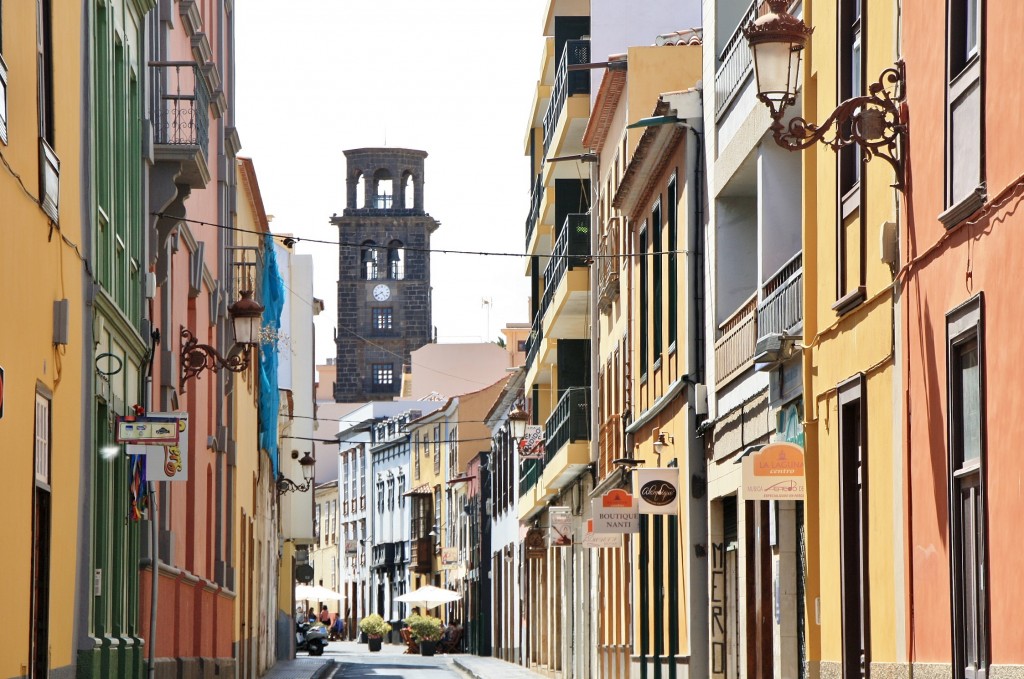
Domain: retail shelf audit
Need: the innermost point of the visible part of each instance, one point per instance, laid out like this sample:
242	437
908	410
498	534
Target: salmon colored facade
961	315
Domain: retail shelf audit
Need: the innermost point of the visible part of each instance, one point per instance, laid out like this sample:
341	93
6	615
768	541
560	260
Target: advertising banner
560	522
169	462
776	472
616	512
659	490
594	540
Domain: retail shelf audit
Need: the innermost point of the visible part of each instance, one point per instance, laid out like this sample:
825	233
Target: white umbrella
428	597
316	593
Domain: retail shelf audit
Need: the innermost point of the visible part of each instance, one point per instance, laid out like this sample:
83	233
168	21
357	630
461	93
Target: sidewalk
492	668
301	668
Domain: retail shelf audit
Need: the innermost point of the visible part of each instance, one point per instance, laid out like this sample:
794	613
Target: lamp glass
308	466
246	329
777	67
518	428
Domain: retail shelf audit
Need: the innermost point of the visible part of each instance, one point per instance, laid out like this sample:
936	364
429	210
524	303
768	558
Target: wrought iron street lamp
286	485
777	40
246	320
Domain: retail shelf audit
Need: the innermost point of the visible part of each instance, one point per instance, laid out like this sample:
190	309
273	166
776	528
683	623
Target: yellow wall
37	267
859	342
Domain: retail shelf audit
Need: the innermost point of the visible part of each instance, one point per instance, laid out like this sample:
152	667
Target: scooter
312	638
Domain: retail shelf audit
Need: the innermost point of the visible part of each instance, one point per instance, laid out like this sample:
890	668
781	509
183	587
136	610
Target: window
383	318
643	301
657	283
521	345
49	164
967	489
673	262
416	457
396	260
965	111
383	374
369	257
850	84
380	495
401	490
391	492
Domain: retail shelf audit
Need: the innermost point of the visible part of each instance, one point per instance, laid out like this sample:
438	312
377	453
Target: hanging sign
616	512
659	490
153	428
532	445
560	523
169	462
593	540
776	472
449	558
536	546
351	546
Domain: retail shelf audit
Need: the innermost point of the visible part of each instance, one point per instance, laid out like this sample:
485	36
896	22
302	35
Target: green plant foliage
424	627
374	626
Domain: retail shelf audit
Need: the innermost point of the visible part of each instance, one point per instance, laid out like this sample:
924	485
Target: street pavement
348	660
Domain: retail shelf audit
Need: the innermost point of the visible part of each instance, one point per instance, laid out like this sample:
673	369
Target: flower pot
427	647
375	643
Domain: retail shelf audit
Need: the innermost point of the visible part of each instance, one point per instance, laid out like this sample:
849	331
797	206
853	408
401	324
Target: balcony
735	62
424	551
387	555
571	252
734	350
536	196
781	307
567	439
181	119
567	84
529	475
608	263
533	342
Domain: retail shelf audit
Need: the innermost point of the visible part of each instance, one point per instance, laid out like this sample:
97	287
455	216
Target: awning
422	489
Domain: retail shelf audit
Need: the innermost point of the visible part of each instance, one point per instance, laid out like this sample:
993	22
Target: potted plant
374	627
426	631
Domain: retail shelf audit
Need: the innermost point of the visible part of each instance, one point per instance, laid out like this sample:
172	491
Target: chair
451	644
410	644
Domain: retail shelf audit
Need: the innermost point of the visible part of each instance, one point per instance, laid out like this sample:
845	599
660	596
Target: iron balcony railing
530	474
534	340
569	422
536	196
734	62
181	116
735	347
572	249
781	306
388	554
567	83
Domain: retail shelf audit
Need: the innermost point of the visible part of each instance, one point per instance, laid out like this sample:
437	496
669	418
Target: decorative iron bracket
196	357
872	120
286	485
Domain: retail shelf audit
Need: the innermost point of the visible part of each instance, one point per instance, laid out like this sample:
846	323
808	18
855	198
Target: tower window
383	318
369	261
396	260
383	374
383	190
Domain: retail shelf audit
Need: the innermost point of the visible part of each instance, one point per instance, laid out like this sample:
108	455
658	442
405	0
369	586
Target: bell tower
384	310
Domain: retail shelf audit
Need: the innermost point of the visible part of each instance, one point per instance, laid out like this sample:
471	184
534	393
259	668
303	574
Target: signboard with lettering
449	558
536	546
154	428
560	523
776	472
532	445
659	490
594	540
616	512
169	462
351	546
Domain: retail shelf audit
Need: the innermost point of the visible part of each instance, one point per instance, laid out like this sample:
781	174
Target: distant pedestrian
325	616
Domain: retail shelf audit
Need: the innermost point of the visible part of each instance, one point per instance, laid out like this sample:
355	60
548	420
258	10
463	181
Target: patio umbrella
316	593
428	597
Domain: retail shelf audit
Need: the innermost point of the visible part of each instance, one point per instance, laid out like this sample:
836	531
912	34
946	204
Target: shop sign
536	545
776	472
659	490
449	557
532	445
560	524
169	462
616	512
155	428
593	540
351	546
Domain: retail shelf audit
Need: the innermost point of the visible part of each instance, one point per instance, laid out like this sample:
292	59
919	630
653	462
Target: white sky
454	78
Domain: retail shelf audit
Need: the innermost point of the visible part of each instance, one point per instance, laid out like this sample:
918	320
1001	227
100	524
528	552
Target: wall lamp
873	120
286	485
661	440
246	320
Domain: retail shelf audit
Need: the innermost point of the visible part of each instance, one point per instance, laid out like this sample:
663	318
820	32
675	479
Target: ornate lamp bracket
873	121
196	357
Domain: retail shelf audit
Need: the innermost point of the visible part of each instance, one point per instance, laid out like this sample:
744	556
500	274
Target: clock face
381	292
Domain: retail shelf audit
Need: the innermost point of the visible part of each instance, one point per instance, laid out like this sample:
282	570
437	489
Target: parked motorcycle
311	638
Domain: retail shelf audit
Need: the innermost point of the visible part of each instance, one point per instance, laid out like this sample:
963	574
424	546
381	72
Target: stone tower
384	272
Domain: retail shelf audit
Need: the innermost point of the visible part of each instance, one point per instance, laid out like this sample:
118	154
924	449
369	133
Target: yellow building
255	541
855	594
45	348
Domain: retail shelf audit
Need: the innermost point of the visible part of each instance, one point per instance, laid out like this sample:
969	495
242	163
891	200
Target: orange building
960	311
